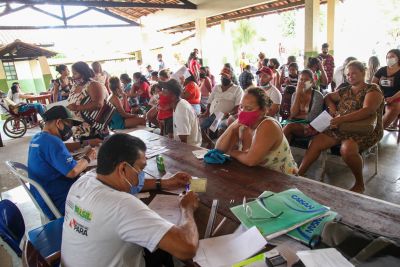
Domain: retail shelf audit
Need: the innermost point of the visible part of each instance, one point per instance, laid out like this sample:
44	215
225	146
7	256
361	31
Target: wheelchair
16	124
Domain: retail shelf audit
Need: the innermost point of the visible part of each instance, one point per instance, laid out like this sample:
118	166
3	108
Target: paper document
63	103
229	249
183	71
167	206
322	122
153	151
217	121
199	154
328	257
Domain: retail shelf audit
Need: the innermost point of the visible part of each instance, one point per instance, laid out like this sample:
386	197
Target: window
9	69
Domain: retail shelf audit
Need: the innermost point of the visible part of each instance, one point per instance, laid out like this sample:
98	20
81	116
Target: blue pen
187	187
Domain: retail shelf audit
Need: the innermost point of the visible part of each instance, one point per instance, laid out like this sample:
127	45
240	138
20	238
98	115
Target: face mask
136	189
202	75
248	118
391	61
307	86
225	81
79	81
271	66
65	133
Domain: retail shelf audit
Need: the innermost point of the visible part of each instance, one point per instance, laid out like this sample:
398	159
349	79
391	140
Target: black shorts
168	125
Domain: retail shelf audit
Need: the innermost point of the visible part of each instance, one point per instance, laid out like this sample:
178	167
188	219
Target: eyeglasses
262	202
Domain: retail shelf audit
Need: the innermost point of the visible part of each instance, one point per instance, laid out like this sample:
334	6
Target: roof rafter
185	4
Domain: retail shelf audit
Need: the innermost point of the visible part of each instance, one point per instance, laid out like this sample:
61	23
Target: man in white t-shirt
105	224
186	123
265	75
224	98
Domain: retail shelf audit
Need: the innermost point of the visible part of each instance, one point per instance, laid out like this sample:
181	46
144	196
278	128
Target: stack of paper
328	257
153	151
296	208
167	206
228	249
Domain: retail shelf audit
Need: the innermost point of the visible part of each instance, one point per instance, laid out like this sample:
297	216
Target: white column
201	35
227	43
311	19
331	25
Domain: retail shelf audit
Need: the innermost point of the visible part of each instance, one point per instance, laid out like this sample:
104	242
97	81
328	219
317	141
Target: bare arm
260	146
182	241
96	95
118	105
331	101
324	77
229	139
82	164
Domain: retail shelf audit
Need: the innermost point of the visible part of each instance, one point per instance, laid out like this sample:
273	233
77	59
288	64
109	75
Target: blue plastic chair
12	225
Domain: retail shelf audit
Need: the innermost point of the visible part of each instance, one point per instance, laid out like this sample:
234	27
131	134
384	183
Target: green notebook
305	232
293	207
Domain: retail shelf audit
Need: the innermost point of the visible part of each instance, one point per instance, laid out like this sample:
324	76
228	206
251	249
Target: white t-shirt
186	123
224	101
273	94
106	227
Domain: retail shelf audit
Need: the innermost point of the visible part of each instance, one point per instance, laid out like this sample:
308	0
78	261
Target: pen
187	187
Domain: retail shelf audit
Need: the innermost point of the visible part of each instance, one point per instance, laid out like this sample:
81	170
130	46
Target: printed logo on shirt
79	228
70	204
34	145
386	81
84	214
70	159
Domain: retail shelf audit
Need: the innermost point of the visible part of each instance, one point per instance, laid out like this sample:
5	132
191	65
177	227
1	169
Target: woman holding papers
307	104
355	102
245	139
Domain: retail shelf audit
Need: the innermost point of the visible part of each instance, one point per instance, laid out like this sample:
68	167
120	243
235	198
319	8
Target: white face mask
391	61
307	86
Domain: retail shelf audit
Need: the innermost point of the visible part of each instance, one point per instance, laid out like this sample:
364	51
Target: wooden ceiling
258	10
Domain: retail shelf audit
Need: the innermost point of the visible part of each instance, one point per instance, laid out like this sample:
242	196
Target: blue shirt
49	161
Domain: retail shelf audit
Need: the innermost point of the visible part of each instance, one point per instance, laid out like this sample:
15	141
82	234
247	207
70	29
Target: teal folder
293	207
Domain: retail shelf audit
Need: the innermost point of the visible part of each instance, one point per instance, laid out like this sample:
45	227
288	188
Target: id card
198	185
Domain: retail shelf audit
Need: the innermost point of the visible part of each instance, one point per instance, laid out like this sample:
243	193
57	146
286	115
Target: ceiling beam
101	3
116	16
62	27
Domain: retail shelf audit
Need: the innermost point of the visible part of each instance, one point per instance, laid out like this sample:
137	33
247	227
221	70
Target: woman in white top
101	76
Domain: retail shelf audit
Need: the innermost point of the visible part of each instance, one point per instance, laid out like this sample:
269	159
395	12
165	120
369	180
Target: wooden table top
233	180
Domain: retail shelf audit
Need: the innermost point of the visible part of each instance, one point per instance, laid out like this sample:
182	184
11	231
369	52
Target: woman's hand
335	122
73	107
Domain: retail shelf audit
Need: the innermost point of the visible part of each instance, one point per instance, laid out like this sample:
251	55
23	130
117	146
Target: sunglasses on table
262	202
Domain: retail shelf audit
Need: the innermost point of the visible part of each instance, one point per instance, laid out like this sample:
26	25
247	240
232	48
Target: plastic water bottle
160	163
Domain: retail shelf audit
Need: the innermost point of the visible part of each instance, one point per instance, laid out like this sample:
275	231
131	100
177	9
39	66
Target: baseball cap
172	85
265	70
61	112
227	72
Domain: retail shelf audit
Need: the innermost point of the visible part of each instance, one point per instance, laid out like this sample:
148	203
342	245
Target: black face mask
65	133
225	81
202	75
271	66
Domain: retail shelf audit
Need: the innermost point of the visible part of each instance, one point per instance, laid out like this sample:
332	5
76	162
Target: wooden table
234	180
44	99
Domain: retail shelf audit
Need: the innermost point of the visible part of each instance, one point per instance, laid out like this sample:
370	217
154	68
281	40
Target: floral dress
350	102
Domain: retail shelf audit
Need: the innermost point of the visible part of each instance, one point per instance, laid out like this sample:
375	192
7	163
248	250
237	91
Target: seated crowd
253	118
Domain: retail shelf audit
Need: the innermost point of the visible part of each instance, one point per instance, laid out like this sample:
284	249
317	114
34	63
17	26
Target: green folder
305	232
296	208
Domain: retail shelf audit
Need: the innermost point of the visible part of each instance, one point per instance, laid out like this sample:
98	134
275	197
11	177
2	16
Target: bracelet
87	159
158	184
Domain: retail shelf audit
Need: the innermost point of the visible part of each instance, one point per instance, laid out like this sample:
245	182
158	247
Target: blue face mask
135	189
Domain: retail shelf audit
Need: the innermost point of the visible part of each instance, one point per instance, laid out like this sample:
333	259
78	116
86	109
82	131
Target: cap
61	112
172	85
227	72
265	70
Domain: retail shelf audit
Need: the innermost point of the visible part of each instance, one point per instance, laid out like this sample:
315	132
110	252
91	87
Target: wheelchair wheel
14	127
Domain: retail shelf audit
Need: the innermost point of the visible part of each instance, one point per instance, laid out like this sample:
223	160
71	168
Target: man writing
50	162
107	225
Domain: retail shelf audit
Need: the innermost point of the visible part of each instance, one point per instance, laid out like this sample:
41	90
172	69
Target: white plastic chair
21	172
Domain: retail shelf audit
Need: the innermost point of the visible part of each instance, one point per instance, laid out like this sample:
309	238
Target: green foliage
243	34
288	23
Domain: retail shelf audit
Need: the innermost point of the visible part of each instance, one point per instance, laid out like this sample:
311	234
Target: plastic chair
16	168
12	225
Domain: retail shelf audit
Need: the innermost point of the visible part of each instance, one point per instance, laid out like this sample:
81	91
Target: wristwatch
158	184
87	159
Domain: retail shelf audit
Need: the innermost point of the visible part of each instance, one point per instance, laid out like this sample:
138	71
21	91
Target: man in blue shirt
50	162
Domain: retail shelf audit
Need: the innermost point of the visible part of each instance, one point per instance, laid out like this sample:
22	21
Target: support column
145	48
3	80
331	25
201	33
45	69
311	15
227	44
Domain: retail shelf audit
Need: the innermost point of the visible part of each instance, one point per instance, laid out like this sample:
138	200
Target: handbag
100	118
362	127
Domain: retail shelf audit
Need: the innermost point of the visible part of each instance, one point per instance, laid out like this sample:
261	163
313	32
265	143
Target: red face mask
248	118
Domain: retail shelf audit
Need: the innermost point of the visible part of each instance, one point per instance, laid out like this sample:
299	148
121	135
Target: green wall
3	85
27	86
47	79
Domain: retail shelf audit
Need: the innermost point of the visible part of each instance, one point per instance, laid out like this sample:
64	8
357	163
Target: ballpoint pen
187	187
